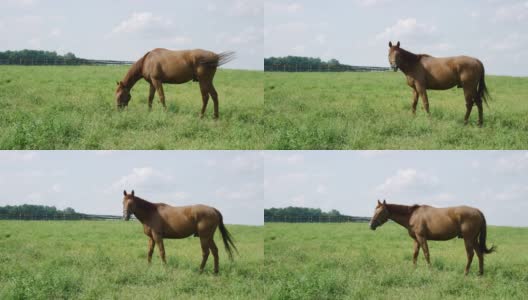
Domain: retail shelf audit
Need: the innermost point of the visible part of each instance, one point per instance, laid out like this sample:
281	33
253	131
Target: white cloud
321	189
17	156
23	3
246	192
145	23
247	8
145	177
407	29
247	36
55	32
321	39
513	163
514	12
57	188
282	8
211	7
298	200
372	2
405	180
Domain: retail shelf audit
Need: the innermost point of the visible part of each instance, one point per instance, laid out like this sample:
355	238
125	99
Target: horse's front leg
150	249
416	252
425	100
414	101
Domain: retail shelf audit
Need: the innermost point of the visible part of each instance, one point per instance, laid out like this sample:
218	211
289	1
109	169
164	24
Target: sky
127	29
357	32
93	181
496	182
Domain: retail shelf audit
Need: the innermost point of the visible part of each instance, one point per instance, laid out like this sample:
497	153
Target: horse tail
218	59
482	90
226	237
482	237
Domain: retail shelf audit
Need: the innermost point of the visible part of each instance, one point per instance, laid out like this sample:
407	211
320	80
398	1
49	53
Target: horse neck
409	60
143	209
400	213
134	74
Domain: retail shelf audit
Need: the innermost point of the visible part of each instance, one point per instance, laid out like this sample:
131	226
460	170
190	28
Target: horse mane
144	205
410	57
402	209
135	72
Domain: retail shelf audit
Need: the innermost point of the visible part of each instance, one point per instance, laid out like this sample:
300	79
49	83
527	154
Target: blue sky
126	29
351	181
357	32
93	181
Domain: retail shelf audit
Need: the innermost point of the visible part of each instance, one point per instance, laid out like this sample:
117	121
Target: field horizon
372	110
73	107
108	259
350	261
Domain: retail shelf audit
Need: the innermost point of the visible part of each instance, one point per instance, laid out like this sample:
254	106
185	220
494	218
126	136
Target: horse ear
132	193
398	44
379	203
390	45
124	193
384	202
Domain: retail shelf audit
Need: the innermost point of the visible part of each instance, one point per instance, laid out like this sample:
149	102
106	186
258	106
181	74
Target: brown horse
165	66
164	221
424	223
441	73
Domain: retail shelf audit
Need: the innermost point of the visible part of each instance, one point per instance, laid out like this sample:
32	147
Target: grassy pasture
350	261
107	260
73	107
373	111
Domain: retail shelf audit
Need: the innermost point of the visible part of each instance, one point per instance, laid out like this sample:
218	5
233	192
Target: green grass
73	107
373	111
349	261
107	260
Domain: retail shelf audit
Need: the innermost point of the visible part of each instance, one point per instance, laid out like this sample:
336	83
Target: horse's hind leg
480	112
423	243
204	89
214	250
204	242
480	256
159	87
469	251
468	94
161	247
214	95
151	96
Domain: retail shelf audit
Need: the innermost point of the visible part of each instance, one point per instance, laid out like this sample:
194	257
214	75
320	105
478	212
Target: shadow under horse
441	73
162	221
166	66
425	223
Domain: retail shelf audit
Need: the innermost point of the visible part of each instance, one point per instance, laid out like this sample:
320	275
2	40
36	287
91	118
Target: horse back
446	72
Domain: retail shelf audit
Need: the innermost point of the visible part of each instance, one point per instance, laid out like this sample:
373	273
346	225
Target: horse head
381	215
394	56
122	95
129	205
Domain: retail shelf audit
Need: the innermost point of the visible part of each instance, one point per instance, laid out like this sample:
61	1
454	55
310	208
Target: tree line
311	64
37	56
35	210
304	215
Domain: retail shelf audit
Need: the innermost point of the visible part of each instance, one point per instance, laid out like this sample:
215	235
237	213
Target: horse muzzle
372	226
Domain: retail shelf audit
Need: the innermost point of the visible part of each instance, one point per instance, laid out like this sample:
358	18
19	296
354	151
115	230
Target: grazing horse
424	223
441	73
164	221
165	66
